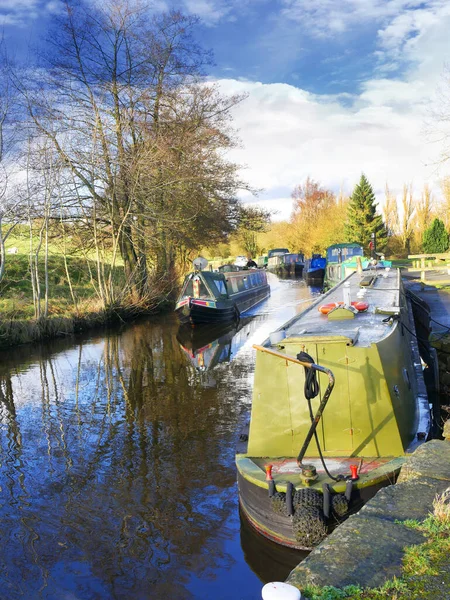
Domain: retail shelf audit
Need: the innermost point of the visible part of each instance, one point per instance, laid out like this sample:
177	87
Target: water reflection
270	561
206	346
117	475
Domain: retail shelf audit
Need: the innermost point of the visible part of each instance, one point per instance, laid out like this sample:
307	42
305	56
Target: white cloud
210	11
22	12
325	17
288	133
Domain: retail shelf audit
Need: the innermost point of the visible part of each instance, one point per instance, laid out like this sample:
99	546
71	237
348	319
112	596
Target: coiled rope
311	390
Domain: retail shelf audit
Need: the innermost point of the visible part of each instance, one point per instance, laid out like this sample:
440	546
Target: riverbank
15	332
67	290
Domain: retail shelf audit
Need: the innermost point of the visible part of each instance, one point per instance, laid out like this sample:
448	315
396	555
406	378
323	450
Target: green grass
16	289
401	263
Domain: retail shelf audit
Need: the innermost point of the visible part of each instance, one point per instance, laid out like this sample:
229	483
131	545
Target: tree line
412	223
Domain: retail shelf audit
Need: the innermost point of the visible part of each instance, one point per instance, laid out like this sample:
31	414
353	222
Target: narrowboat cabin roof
343	250
277	252
383	299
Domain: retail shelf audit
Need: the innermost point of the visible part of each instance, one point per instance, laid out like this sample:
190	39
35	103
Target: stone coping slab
363	550
408	500
430	460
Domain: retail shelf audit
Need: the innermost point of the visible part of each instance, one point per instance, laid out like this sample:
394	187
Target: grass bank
73	302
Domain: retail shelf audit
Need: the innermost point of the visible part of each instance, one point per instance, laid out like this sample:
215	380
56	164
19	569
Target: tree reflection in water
117	475
117	470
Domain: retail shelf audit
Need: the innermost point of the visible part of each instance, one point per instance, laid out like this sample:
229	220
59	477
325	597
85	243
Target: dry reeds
441	507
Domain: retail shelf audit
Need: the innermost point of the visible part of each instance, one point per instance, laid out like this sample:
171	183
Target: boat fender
278	504
289	495
339	504
326	500
348	490
357	305
272	488
309	527
307	497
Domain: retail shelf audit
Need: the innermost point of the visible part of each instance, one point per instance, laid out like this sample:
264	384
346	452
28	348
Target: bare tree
121	99
390	212
8	202
423	214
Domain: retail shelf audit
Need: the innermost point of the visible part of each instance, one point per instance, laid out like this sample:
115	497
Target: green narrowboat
339	399
211	297
343	259
261	261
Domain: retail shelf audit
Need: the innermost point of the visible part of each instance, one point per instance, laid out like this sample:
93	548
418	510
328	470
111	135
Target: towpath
434	294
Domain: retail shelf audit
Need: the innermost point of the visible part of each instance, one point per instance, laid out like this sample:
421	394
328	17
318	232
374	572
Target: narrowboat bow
339	398
210	297
315	270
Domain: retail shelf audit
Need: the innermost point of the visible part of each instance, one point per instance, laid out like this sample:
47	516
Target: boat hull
315	276
256	505
287	270
199	312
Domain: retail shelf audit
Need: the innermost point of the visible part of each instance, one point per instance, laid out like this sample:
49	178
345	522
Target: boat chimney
347	294
359	267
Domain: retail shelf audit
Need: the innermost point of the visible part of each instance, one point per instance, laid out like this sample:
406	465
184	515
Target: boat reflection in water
268	560
208	345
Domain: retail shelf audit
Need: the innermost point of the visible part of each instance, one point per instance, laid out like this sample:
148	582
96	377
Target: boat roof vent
367	281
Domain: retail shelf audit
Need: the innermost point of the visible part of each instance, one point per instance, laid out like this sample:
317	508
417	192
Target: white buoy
276	590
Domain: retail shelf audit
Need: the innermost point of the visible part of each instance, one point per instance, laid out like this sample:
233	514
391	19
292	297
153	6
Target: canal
117	476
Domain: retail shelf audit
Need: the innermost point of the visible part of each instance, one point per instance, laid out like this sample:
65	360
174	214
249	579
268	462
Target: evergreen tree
362	218
435	238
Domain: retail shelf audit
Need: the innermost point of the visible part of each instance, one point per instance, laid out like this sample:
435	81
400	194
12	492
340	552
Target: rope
311	390
410	295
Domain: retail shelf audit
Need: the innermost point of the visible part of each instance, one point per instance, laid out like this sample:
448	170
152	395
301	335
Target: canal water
117	476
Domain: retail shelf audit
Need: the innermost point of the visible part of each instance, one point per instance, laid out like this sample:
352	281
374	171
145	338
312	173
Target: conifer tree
435	238
362	218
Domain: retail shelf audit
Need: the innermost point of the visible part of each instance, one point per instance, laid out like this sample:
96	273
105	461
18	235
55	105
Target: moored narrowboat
261	261
284	263
210	297
314	272
339	399
343	259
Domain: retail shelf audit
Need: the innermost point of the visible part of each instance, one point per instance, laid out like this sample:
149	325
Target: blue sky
335	87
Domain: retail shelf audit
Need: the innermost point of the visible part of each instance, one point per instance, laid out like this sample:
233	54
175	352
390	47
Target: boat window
234	285
220	285
188	290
